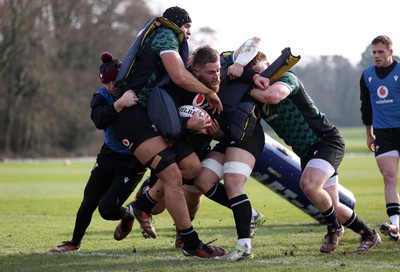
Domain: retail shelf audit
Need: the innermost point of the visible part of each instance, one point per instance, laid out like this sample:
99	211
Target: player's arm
252	77
370	137
366	108
215	130
242	56
183	78
271	95
366	114
102	113
128	99
199	123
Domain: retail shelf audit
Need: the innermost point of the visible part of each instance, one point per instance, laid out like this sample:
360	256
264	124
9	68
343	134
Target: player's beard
214	85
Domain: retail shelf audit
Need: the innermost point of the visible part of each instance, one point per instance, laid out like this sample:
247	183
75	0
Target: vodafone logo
382	92
199	100
125	142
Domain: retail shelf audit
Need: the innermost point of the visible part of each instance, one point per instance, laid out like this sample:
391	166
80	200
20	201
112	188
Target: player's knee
214	166
307	187
107	212
161	161
303	185
190	169
104	213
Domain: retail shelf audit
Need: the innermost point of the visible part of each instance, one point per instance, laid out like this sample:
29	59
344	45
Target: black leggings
108	190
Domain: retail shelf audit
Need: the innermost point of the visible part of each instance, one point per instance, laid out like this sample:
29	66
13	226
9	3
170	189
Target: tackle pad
281	65
162	111
243	121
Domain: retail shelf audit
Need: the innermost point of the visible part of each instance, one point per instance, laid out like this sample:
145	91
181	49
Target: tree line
49	58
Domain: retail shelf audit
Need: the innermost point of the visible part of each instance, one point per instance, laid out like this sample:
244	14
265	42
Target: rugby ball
190	110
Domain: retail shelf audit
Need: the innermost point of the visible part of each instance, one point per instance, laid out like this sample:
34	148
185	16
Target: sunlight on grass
39	201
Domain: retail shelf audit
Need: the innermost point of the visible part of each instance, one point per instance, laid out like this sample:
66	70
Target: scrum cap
177	15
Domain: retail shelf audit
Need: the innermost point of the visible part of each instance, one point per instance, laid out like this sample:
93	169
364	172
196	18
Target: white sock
394	219
254	212
245	244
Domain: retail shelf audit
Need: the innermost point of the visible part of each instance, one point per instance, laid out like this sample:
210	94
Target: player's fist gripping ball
198	119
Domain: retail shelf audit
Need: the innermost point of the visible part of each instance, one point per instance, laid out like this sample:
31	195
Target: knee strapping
161	161
214	166
331	181
234	167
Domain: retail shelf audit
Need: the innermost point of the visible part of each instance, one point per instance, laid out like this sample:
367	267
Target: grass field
39	201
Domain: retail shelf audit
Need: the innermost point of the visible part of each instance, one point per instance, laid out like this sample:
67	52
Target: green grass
354	138
39	201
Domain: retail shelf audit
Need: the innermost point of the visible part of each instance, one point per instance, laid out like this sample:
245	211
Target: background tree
49	58
332	82
205	35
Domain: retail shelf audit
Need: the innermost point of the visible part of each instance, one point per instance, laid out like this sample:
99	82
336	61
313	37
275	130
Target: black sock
392	209
74	243
241	208
190	238
358	226
217	193
128	215
330	218
145	203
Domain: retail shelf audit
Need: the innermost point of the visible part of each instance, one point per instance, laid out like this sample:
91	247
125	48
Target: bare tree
49	59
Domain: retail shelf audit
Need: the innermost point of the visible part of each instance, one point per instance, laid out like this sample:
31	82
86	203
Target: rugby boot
390	230
205	251
65	247
368	243
331	239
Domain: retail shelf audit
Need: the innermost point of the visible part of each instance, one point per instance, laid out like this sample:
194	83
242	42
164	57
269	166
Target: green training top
296	119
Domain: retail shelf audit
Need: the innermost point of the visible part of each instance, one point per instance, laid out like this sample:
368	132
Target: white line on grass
265	261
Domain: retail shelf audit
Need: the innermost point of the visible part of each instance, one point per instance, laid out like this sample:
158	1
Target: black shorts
181	149
386	140
331	149
254	145
132	127
116	161
123	167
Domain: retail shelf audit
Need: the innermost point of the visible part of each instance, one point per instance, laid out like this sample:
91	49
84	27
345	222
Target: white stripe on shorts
322	165
393	153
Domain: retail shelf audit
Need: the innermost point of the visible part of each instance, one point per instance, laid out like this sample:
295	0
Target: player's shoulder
291	81
165	39
165	32
289	76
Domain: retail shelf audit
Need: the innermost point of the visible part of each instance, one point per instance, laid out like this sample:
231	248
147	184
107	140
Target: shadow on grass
153	260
